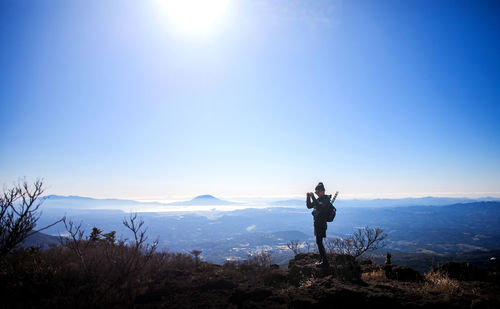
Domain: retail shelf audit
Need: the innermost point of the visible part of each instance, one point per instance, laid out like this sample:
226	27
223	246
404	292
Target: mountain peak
205	197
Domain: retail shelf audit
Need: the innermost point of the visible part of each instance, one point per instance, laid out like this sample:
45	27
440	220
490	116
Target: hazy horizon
213	206
256	198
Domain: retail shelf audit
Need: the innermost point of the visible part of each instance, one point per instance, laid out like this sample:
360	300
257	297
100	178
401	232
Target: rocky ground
344	284
118	276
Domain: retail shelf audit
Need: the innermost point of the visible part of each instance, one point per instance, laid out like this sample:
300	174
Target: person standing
321	206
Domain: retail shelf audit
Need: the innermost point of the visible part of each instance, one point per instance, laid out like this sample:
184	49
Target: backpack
332	211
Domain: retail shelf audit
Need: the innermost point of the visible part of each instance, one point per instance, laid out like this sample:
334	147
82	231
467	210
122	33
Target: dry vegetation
19	214
374	275
439	281
95	271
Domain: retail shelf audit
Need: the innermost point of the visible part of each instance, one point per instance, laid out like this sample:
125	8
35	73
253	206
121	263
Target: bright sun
195	16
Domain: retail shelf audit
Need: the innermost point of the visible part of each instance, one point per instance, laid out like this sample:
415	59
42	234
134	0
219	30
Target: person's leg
321	248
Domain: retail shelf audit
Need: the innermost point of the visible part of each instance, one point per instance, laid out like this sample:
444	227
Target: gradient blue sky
374	98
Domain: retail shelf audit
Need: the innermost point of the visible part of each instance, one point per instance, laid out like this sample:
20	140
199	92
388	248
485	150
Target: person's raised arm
308	200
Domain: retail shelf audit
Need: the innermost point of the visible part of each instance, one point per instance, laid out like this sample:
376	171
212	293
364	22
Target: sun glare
195	16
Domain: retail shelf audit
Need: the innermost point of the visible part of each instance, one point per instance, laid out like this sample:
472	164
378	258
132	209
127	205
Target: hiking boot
323	263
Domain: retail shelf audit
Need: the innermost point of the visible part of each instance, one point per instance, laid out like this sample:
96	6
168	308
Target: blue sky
374	98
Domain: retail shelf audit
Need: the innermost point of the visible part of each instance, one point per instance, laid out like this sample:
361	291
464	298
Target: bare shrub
19	214
116	268
260	260
308	247
140	245
363	240
75	241
91	269
263	258
294	246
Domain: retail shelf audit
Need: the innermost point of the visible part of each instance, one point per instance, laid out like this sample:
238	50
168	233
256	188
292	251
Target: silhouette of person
320	214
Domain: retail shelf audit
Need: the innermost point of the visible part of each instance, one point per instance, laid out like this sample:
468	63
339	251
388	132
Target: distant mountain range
40	239
80	202
401	202
87	203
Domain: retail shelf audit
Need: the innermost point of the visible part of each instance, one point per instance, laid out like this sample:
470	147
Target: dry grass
102	275
435	283
374	275
438	281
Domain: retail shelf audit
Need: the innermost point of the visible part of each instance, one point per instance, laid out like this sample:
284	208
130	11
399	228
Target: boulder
401	273
303	266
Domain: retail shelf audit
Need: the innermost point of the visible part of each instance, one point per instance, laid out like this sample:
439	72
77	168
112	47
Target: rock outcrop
304	266
401	273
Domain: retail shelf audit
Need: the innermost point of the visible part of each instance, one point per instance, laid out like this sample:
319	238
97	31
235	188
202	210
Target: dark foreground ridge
56	278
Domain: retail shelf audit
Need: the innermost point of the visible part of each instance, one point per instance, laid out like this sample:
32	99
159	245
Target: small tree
110	237
196	254
364	240
98	235
95	235
19	213
294	246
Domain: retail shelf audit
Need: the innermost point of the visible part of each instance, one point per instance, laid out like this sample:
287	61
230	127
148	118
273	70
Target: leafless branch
19	214
294	246
135	226
363	240
76	241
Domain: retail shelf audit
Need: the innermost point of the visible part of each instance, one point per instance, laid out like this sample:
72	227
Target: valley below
417	235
